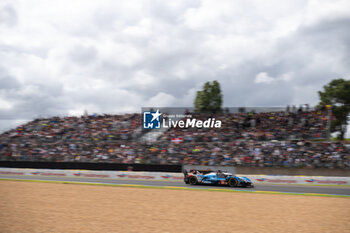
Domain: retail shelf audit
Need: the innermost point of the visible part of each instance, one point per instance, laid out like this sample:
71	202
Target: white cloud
115	56
161	100
264	77
5	104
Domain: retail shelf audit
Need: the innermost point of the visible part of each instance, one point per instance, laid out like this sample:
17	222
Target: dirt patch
47	207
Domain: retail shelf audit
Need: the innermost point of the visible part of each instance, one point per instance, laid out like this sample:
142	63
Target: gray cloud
8	16
83	55
115	57
7	82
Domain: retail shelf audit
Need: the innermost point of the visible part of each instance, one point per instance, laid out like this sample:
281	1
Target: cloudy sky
63	57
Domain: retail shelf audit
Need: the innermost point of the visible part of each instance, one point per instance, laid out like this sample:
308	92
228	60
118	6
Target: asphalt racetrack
335	190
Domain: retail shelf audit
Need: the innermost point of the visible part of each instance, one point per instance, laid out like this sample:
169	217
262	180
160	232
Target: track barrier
167	176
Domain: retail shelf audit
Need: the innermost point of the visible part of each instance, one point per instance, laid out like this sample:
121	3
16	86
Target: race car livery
216	178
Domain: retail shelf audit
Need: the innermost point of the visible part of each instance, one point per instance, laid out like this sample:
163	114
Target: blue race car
216	178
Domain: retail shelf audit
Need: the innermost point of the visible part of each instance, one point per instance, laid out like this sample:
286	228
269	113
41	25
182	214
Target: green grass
175	188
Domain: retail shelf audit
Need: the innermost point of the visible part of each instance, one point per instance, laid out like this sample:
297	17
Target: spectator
284	139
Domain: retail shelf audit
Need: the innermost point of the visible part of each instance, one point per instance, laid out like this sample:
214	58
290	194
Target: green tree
209	99
337	94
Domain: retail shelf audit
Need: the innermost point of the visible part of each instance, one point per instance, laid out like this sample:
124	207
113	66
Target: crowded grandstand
290	138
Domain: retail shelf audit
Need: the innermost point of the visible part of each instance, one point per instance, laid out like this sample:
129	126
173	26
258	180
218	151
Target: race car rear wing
207	169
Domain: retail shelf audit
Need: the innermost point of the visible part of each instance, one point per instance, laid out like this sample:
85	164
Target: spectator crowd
264	139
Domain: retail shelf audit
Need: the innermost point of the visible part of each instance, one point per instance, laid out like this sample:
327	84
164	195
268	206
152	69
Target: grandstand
256	139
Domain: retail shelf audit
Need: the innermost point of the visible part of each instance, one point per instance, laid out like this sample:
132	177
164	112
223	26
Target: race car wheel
192	180
232	182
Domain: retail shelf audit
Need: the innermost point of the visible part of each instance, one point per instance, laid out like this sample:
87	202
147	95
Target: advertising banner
164	176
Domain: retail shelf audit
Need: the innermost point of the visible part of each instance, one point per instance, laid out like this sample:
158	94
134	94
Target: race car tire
232	182
192	180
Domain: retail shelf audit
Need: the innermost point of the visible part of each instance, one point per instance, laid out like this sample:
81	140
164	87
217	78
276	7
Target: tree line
335	95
